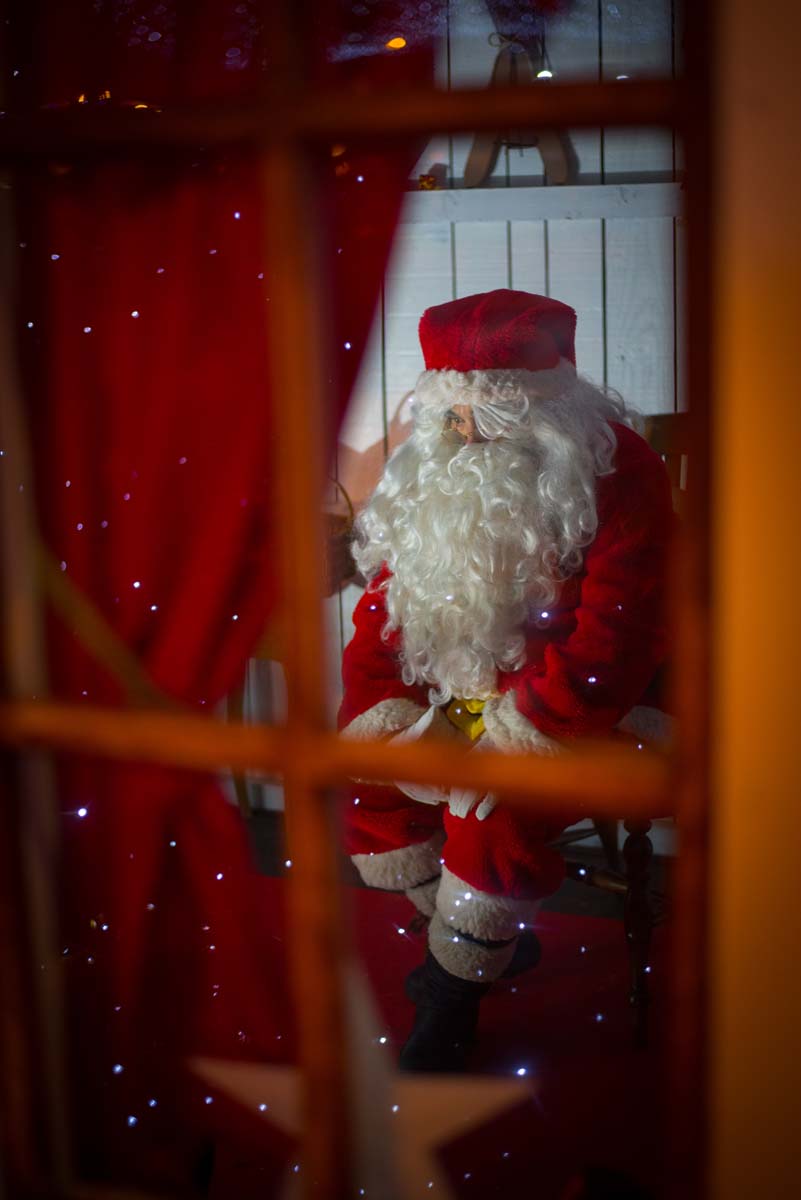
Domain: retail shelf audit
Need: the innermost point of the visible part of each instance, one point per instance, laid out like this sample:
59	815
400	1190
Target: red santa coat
591	658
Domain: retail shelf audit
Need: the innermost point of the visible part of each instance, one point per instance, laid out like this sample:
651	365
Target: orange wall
756	895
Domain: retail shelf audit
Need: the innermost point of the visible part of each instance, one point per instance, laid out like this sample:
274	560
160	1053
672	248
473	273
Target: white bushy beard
478	537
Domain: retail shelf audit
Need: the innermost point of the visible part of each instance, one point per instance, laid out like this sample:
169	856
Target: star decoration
399	1121
425	1111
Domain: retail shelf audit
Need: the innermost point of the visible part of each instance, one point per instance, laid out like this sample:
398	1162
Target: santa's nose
472	434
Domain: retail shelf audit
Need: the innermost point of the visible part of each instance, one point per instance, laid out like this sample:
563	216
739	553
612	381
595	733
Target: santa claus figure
516	552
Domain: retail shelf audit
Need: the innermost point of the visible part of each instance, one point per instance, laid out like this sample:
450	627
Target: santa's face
460	426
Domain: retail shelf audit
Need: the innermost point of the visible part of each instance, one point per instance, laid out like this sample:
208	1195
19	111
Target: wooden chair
643	907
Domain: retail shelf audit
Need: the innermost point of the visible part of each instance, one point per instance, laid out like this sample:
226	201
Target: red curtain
143	296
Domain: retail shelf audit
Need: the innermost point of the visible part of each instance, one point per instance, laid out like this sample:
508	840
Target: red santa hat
480	345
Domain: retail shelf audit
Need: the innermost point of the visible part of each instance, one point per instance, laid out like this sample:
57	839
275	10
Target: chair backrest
669	435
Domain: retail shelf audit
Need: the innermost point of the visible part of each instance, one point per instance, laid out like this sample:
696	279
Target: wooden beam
338	114
301	381
620	781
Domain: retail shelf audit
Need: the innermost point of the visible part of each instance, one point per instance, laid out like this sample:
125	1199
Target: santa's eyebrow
450	415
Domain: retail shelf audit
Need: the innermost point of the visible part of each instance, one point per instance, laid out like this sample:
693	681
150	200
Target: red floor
599	1103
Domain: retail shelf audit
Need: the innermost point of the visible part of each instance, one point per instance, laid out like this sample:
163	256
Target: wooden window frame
304	751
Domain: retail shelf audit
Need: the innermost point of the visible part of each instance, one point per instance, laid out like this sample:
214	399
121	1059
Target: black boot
445	1021
528	952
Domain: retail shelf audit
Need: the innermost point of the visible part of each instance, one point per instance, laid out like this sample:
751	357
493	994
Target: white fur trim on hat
493	918
406	867
513	733
388	716
442	389
466	959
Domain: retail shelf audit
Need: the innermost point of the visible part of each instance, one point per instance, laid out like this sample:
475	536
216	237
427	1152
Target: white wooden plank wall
619	273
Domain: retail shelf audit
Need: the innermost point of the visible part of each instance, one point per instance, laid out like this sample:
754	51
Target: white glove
462	800
423	793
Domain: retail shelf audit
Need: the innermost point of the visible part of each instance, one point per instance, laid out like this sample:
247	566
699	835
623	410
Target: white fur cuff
388	716
406	867
493	918
465	959
511	732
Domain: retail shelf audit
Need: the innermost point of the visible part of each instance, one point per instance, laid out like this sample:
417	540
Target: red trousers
507	854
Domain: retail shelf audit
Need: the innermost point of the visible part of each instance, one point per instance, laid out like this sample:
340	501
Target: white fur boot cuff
397	870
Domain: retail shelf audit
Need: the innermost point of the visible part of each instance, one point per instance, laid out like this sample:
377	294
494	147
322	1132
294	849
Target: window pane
452	894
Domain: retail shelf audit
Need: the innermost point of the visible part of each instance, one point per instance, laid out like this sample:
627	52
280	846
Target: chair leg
638	920
607	833
236	709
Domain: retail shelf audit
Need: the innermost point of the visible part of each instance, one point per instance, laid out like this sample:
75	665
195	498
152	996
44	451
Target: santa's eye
453	429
